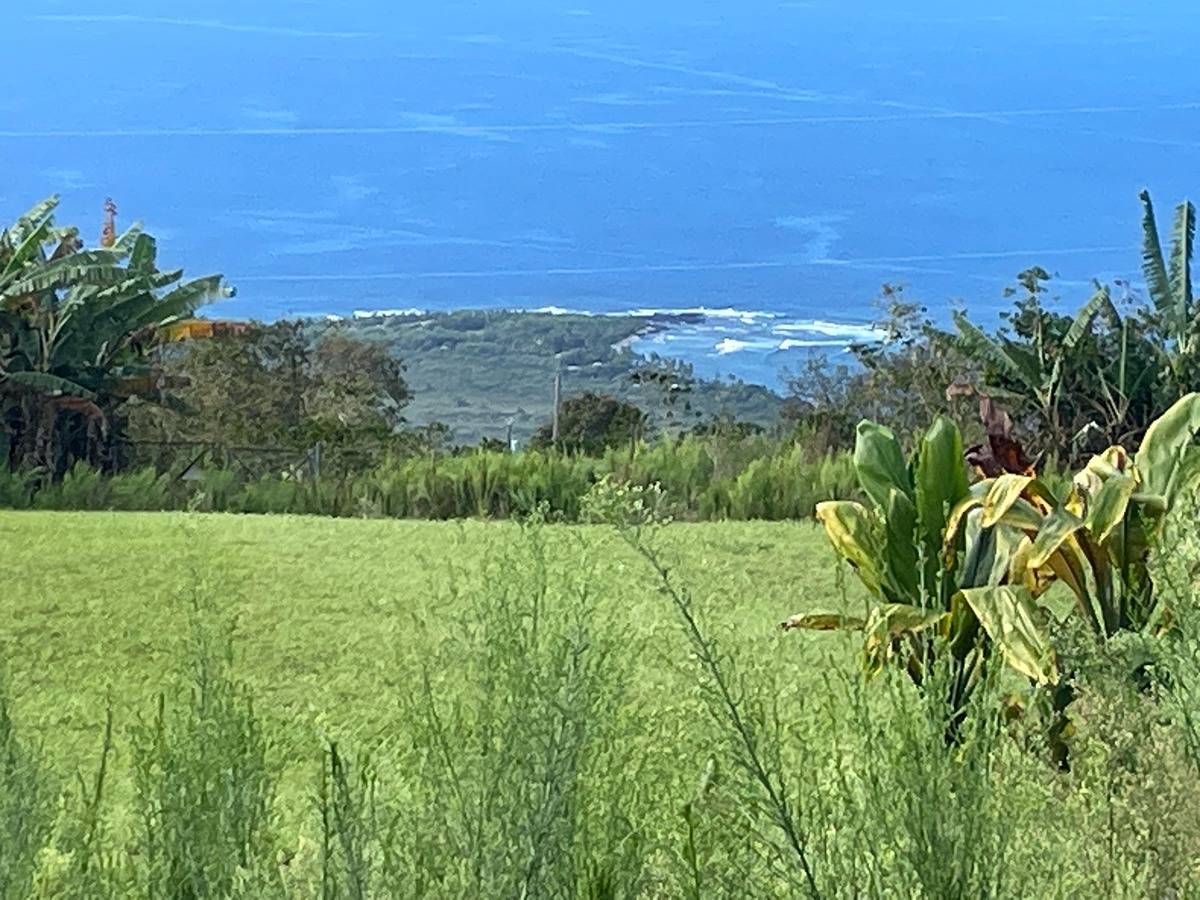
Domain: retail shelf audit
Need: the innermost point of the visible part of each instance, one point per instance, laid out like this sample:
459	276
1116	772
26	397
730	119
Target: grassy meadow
496	709
332	614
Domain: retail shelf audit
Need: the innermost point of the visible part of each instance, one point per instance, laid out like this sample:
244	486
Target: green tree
591	423
280	384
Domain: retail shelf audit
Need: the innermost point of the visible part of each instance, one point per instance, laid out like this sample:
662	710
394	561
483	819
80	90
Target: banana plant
1098	540
1169	283
1003	542
76	325
1037	369
936	567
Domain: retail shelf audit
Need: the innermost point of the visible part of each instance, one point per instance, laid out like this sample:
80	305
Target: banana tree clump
78	328
964	570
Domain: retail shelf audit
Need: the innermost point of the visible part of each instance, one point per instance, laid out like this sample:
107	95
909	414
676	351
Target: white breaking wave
388	313
730	345
830	329
794	343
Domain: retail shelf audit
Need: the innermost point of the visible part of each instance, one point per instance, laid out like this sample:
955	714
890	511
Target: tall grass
27	806
204	784
917	816
703	478
509	779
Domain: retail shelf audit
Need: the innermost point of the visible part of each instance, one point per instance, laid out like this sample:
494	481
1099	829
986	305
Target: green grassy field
333	615
326	608
523	713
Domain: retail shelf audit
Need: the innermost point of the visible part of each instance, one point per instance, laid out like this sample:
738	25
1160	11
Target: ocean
769	163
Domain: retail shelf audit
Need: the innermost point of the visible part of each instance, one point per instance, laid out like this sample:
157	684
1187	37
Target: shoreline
724	343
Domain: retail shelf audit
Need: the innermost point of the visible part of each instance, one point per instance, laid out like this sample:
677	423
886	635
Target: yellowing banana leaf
956	522
855	537
1069	567
1108	506
1035	580
1023	516
891	623
1015	624
1007	542
1004	492
1057	528
989	552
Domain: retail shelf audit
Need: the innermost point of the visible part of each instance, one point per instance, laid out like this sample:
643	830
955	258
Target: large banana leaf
892	625
1002	496
1065	543
85	267
978	343
1109	506
940	477
185	300
1160	457
824	622
900	545
1057	528
1183	236
47	384
1087	314
33	219
1017	626
855	537
28	251
1154	267
879	464
990	551
143	255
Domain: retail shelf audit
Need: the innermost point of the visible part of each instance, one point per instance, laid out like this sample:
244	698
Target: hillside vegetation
476	370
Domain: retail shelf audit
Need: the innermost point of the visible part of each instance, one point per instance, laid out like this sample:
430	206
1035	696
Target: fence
187	460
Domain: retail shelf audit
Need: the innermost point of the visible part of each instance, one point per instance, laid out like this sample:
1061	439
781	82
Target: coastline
480	371
723	343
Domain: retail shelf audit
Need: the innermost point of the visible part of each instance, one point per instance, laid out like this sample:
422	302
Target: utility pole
508	444
557	404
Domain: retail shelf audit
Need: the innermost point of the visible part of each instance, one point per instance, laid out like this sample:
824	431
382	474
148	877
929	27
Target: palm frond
85	267
26	252
185	300
143	254
33	219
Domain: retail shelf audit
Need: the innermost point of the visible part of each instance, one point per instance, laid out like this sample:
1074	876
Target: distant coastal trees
591	424
277	385
100	348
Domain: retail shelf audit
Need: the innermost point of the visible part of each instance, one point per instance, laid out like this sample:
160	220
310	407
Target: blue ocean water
772	162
